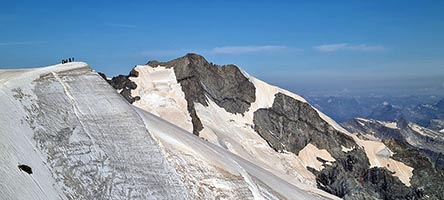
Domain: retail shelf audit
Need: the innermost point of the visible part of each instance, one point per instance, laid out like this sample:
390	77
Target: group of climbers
67	60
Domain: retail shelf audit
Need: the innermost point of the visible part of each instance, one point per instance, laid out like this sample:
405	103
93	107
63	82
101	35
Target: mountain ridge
229	129
200	79
83	140
254	140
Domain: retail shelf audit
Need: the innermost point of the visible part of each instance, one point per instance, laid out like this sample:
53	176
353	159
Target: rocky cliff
272	128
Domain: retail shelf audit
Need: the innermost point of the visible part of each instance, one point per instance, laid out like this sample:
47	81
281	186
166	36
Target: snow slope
85	141
80	137
235	132
162	95
17	145
181	142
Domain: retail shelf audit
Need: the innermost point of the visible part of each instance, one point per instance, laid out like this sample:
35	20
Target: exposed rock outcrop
225	85
426	179
291	124
295	124
288	125
124	85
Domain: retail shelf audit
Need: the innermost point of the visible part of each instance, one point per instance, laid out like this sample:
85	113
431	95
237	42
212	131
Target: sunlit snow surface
218	166
81	138
161	95
235	133
84	141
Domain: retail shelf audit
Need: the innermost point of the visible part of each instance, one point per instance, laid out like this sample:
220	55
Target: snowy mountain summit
183	129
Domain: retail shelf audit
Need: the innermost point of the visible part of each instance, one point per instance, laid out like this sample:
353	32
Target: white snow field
180	143
235	132
85	141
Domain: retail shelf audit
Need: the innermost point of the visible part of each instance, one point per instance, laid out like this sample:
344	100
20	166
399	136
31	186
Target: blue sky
305	46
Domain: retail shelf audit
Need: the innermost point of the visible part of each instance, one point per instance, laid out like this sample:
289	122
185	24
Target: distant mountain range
422	114
427	111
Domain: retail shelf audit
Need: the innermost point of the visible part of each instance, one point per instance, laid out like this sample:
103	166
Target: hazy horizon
318	47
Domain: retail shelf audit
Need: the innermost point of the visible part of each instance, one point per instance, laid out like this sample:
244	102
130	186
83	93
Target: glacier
85	141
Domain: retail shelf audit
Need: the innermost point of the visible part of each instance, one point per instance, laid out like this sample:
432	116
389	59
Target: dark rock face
350	180
387	186
429	143
291	124
225	85
123	83
436	158
294	124
427	180
428	164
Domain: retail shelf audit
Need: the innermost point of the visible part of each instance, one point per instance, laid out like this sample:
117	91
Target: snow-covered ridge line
84	141
235	131
15	77
373	149
175	137
81	139
250	121
161	95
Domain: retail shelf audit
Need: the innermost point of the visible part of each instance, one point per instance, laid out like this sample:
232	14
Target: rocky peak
202	81
123	84
189	59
